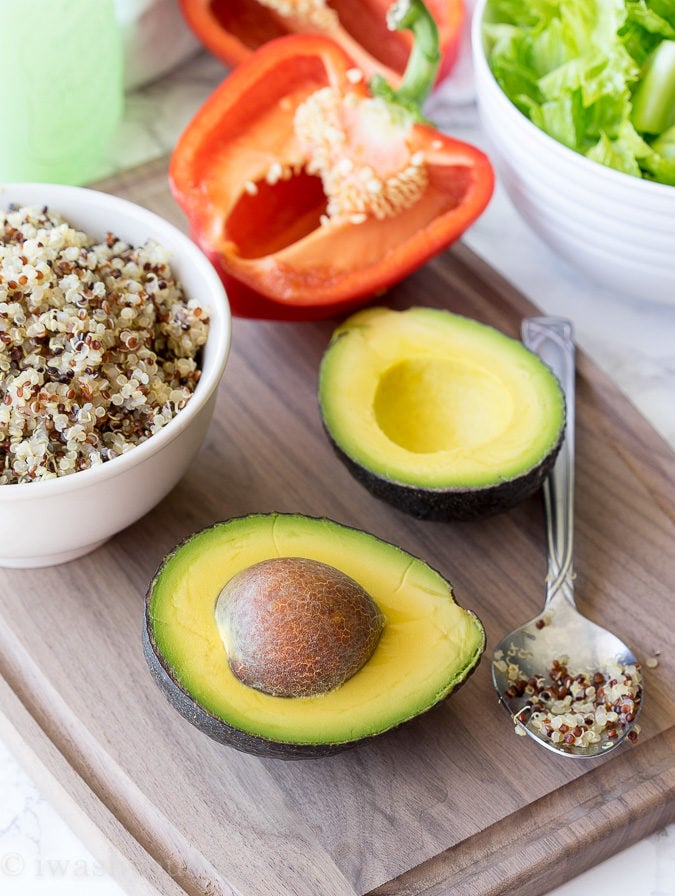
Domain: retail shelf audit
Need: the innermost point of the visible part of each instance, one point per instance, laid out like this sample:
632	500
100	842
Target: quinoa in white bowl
98	345
112	350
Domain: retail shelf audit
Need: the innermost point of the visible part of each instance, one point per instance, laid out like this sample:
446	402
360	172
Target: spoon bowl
567	682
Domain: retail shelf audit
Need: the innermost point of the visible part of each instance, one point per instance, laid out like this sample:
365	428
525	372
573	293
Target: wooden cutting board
453	803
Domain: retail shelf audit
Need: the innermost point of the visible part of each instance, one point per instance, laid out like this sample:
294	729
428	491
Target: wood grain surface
453	803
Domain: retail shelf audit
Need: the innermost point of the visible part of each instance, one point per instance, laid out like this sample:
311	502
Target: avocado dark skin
445	505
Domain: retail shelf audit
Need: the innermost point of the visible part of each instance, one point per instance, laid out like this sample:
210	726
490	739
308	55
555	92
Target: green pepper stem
425	57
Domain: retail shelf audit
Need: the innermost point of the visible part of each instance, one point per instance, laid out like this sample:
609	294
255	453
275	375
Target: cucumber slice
654	98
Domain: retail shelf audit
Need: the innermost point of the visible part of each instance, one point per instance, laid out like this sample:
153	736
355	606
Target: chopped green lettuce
597	75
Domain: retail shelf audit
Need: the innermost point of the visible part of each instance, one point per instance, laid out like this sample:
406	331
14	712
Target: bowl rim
216	349
620	179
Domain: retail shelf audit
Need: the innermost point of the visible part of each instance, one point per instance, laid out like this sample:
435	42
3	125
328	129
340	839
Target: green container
62	89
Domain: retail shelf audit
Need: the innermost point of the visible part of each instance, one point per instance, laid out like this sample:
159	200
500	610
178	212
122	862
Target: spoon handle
552	338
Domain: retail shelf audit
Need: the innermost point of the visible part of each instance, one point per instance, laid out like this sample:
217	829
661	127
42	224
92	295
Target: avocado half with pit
440	415
425	645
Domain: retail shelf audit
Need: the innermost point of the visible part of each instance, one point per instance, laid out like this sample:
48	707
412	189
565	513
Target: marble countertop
632	339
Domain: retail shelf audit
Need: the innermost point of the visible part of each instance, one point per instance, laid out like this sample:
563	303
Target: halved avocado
440	415
429	644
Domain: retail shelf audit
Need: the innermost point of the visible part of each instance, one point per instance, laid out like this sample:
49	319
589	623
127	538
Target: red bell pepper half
233	29
311	192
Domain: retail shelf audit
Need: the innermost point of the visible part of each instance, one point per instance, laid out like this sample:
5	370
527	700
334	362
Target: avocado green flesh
434	400
429	644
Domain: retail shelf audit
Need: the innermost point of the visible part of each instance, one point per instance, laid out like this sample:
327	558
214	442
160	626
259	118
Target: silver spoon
567	715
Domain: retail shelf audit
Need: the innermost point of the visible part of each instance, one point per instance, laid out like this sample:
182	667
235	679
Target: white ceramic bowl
618	229
155	38
52	521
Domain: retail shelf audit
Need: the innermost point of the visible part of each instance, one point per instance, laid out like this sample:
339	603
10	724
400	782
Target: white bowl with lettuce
577	98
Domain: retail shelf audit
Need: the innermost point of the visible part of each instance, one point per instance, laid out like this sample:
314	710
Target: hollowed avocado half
429	644
438	414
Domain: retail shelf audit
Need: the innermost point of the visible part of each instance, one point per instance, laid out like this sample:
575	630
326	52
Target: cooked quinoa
576	709
99	346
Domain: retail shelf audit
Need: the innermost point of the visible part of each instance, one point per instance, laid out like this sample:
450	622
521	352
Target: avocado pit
296	627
